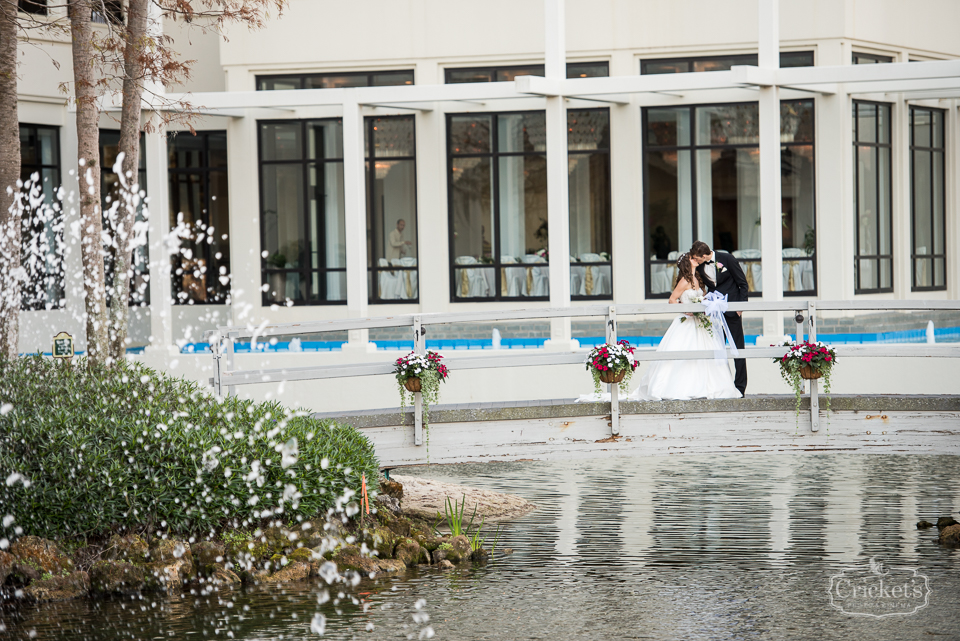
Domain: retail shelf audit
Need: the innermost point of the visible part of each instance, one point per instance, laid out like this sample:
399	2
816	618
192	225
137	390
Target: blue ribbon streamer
716	306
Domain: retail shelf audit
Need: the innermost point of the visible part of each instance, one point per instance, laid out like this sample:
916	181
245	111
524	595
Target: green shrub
102	448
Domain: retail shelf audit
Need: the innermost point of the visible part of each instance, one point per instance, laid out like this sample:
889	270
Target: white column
771	240
355	218
952	204
558	198
902	186
158	210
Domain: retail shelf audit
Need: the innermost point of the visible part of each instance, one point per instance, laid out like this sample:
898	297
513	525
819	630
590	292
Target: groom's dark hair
699	248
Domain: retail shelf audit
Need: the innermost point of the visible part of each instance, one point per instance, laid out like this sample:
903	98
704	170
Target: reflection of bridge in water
563	429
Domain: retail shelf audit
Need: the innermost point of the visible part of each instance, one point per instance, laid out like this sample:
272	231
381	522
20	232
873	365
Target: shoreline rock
395	536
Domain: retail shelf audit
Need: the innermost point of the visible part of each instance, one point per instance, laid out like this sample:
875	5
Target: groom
721	272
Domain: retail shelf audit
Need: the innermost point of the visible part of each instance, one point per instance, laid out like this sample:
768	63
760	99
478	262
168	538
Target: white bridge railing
227	378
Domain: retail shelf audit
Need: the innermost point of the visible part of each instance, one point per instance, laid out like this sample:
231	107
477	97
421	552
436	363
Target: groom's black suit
732	282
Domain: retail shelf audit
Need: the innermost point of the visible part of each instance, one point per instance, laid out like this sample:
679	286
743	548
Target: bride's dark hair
684	270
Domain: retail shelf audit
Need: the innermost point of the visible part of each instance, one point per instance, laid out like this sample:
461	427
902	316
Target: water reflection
707	547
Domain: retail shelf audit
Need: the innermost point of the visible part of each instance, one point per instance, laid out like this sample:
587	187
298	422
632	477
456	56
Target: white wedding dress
683	380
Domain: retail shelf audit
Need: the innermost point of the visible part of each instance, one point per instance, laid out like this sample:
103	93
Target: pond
726	546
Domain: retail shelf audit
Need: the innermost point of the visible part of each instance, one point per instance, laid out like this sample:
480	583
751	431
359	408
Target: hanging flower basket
807	361
423	374
807	373
611	364
609	377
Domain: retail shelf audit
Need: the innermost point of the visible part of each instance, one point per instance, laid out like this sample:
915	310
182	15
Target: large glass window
588	148
111	198
507	74
335	80
498	206
36	7
42	222
720	63
301	212
199	200
927	198
702	181
391	208
107	12
873	197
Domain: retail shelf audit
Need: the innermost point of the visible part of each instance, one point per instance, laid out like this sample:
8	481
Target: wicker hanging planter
609	377
807	373
412	384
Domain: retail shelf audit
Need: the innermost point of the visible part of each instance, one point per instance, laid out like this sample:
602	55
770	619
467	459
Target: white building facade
428	156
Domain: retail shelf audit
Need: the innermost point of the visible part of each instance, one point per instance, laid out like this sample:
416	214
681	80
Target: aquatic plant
455	514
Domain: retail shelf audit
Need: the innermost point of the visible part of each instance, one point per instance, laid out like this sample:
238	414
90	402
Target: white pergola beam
904	86
882	78
412	106
887	72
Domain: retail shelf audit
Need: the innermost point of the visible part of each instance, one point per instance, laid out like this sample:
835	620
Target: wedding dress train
683	380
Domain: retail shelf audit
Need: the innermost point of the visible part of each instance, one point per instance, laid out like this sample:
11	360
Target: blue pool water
941	334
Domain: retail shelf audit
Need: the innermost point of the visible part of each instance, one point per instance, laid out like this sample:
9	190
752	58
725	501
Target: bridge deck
560	428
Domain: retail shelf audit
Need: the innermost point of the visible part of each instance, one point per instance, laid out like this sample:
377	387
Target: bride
683	380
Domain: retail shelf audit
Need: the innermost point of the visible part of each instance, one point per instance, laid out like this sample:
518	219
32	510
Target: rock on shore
390	539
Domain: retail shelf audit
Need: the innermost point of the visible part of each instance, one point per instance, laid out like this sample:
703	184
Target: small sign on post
63	346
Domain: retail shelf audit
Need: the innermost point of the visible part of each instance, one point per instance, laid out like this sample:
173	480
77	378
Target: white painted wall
429	35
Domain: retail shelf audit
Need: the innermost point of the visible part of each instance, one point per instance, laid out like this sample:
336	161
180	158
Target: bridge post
613	387
814	398
419	346
216	344
231	340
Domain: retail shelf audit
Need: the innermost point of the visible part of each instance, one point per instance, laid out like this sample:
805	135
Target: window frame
876	58
913	201
748	59
494	69
39	167
370	158
494	156
877	258
609	212
693	147
302	77
305	270
223	296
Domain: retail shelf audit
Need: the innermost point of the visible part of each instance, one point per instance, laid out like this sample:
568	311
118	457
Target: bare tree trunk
135	44
10	233
88	138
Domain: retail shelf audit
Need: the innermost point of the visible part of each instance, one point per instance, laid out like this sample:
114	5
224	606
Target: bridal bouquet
807	360
700	317
611	364
420	373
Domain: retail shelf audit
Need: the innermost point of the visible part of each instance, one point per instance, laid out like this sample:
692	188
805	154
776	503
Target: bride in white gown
683	380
